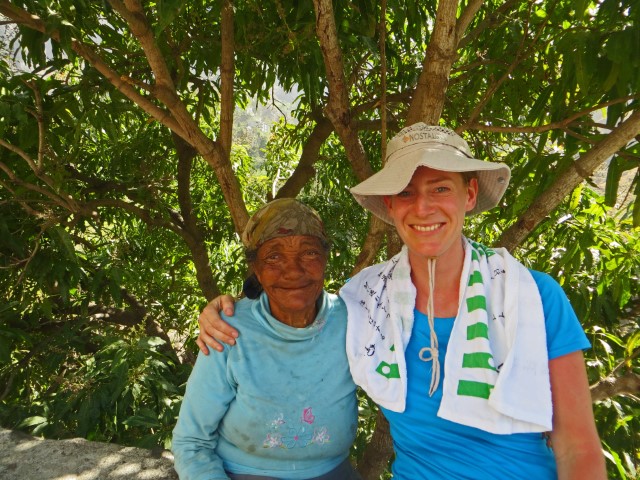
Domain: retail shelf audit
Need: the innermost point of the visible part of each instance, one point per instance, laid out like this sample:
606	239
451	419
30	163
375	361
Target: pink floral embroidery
272	441
321	436
275	423
307	416
283	434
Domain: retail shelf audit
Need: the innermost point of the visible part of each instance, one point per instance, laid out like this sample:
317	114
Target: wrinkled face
291	271
429	213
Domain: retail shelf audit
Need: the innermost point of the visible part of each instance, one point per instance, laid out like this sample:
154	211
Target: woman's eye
442	189
404	193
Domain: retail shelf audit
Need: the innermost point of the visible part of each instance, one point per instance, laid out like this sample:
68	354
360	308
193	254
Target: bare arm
574	438
212	328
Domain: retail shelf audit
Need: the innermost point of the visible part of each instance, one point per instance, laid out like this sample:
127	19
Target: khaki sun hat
434	147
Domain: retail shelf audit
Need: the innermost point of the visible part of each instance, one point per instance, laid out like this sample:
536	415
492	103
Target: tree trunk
378	452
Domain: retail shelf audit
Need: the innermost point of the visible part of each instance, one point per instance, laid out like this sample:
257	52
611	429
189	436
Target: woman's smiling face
291	271
429	213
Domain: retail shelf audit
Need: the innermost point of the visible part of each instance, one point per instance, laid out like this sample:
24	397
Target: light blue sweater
280	403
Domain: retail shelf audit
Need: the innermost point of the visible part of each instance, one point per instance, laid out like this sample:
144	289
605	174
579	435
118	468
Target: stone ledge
29	458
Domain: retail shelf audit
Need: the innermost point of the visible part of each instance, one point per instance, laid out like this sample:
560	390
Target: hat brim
493	179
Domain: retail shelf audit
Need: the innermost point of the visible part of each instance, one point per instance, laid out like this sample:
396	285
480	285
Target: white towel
496	367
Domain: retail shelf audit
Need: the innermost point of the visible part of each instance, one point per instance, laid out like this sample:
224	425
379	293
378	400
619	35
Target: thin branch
383	80
227	70
57	199
466	17
23	203
309	156
134	14
489	22
609	387
21	153
39	116
561	124
149	217
519	57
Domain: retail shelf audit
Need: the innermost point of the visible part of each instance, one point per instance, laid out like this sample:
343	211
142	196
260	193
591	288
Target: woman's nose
293	267
423	205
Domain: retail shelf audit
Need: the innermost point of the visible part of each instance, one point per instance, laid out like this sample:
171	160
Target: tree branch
611	386
227	71
39	116
176	118
492	89
310	154
488	22
53	196
195	239
466	17
338	109
568	180
431	89
561	124
133	14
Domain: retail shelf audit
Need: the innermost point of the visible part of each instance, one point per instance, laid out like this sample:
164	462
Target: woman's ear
472	194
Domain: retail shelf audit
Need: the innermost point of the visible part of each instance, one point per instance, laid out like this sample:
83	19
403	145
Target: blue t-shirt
428	447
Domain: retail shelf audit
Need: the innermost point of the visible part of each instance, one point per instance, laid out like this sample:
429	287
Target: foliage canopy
128	163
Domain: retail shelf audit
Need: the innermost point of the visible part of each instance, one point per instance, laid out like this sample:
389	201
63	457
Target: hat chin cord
432	350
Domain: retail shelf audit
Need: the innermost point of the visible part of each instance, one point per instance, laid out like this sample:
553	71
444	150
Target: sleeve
564	332
195	436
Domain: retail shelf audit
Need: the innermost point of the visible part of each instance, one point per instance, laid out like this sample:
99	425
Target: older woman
281	404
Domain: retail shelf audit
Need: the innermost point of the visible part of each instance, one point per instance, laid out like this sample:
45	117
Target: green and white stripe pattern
496	366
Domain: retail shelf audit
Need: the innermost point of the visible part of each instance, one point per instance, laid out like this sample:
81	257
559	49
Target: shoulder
564	331
365	275
243	309
550	290
247	318
544	280
333	301
334	308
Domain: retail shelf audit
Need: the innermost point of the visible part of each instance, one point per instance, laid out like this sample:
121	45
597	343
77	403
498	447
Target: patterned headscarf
284	217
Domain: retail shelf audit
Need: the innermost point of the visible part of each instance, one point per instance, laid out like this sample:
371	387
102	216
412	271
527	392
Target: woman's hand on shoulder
212	328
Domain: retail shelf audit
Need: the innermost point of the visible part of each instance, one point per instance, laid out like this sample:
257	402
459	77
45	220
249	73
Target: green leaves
167	11
108	243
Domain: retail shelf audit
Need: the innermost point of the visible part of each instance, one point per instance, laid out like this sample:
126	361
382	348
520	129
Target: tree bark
338	109
227	74
339	113
431	90
378	452
304	171
612	386
195	238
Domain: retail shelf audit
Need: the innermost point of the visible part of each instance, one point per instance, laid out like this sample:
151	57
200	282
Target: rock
29	458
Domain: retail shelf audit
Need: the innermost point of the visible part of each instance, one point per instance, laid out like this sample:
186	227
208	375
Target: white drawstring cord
432	350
